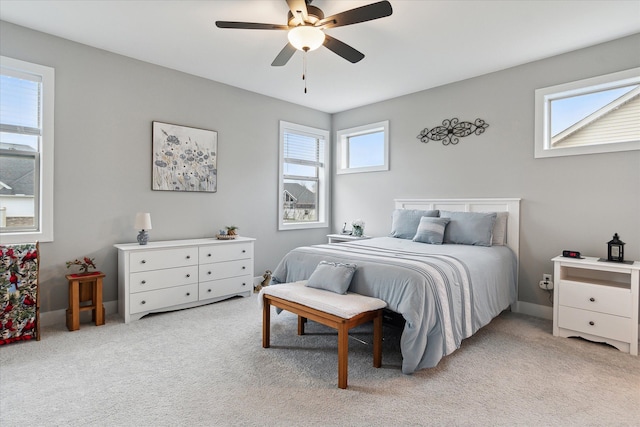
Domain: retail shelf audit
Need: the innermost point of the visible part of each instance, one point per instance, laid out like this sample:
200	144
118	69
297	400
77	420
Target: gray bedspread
444	292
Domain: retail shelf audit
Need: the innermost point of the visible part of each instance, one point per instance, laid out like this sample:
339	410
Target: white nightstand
337	238
597	301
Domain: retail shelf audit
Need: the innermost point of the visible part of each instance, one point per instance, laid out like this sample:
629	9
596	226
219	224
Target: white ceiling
423	44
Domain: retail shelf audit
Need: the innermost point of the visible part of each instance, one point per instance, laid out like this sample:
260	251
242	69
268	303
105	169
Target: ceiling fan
306	25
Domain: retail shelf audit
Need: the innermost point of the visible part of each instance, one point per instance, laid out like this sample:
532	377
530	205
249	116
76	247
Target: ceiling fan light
306	37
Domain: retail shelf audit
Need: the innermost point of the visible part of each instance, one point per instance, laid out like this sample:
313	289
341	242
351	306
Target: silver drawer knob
243	267
208	290
244	284
143	302
244	251
592	299
208	254
188	293
143	282
592	323
188	275
208	272
188	256
143	262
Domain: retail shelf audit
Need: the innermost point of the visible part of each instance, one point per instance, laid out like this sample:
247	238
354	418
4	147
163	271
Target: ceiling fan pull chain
304	70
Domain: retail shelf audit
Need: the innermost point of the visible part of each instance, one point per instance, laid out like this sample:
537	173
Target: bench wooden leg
301	322
343	354
377	340
266	323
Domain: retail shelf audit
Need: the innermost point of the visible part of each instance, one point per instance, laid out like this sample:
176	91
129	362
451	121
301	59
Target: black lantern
615	249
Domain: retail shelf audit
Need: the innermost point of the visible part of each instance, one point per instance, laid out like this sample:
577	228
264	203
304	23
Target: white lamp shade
143	221
306	37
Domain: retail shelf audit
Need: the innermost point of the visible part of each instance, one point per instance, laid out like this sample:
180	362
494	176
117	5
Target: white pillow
499	235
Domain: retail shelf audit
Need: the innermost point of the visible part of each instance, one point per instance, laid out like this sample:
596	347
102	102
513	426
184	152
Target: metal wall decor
452	130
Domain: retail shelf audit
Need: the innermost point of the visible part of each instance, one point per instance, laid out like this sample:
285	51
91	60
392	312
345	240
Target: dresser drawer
162	298
223	287
600	298
149	280
591	322
221	270
225	252
163	258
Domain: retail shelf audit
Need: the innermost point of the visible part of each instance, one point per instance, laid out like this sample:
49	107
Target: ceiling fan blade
283	57
347	52
250	25
298	10
359	14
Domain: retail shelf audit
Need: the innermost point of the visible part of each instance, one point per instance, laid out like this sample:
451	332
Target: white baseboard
59	317
536	310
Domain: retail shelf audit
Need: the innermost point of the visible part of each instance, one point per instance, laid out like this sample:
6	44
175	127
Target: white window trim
544	96
323	186
342	147
45	231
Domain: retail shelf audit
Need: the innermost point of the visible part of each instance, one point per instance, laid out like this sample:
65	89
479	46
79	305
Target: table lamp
143	223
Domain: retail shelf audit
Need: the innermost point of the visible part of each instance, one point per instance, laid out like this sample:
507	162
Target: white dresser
177	274
597	301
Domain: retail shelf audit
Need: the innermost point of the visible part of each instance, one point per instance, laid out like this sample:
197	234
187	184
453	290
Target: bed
445	292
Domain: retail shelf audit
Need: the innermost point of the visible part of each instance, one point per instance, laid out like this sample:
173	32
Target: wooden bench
340	312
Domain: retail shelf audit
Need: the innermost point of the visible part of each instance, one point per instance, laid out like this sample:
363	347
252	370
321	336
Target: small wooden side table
83	288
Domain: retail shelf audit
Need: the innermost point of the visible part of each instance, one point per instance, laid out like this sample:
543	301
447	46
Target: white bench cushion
343	305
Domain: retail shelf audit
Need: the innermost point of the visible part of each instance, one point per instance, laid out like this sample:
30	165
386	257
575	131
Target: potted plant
231	230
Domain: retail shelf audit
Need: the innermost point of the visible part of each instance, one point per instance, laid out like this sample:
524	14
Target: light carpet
206	367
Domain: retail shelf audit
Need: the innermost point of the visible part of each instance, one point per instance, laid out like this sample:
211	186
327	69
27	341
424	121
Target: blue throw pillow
332	276
469	228
405	222
431	230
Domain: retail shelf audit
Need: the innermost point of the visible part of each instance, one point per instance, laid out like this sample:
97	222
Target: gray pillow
469	228
332	276
431	230
405	222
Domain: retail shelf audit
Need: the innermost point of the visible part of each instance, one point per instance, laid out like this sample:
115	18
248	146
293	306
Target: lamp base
143	237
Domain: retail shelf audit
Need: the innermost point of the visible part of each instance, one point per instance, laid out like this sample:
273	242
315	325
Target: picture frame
184	158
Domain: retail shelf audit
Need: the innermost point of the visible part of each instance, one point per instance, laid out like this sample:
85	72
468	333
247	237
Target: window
363	149
596	115
304	177
26	151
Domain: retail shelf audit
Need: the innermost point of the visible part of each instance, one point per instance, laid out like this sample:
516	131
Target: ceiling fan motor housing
314	15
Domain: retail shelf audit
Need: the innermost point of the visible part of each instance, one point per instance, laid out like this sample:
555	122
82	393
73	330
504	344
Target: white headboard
474	205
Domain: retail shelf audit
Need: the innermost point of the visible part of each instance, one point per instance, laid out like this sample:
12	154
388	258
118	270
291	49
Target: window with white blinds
26	151
304	177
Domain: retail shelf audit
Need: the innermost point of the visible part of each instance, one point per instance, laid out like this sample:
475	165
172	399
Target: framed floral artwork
184	158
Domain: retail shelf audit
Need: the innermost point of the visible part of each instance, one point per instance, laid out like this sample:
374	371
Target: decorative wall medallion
451	130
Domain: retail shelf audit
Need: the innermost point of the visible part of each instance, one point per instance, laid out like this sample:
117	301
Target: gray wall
104	107
574	202
105	104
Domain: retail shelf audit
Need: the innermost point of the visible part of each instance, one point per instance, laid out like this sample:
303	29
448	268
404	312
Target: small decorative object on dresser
172	275
143	223
228	233
615	249
597	301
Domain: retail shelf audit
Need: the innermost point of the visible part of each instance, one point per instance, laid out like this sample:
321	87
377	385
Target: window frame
544	97
43	201
342	147
323	177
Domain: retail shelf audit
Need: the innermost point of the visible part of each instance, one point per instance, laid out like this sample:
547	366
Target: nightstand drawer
600	298
590	322
153	300
150	280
